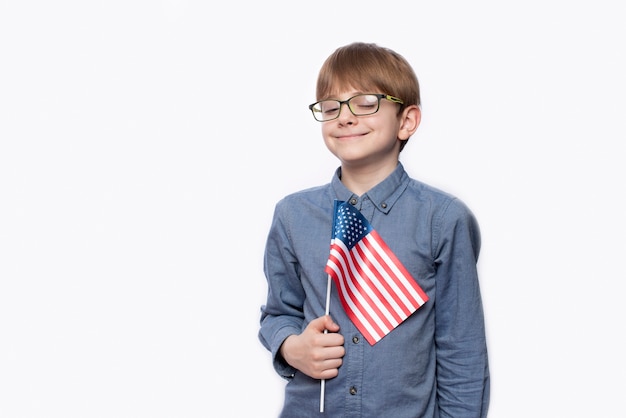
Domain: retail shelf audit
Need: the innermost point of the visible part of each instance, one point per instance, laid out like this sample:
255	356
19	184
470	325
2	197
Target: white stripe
402	277
350	302
362	300
388	279
387	297
363	304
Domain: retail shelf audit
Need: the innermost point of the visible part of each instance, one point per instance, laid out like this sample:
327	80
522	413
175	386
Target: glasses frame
380	96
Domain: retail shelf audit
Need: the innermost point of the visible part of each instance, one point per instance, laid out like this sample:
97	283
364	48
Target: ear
409	121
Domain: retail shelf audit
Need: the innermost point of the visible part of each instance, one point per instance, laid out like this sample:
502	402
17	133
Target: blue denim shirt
434	364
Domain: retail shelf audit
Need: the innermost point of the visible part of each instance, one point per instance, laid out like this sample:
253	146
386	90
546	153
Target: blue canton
350	226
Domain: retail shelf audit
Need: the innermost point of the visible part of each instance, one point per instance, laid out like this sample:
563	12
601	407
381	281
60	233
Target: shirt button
352	390
384	206
353	201
355	340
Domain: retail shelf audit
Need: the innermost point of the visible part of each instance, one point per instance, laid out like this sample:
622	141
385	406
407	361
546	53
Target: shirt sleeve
462	364
282	315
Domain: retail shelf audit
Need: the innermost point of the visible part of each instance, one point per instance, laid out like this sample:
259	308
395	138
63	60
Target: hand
313	352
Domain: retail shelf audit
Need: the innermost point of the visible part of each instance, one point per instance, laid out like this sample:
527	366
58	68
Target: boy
431	360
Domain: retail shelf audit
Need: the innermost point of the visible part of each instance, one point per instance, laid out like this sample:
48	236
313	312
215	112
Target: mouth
347	137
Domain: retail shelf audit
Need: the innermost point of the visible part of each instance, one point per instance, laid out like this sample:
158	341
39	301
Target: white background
143	145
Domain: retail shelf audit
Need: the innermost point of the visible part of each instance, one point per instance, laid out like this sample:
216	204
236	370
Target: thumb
329	324
323	323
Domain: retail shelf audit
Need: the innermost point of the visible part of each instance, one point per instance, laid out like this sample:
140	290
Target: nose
346	115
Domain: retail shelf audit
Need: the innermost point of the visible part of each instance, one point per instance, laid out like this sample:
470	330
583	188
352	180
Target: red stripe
407	310
345	275
367	282
383	281
374	236
355	319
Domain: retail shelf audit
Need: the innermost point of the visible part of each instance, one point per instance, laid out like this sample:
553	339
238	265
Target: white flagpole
323	381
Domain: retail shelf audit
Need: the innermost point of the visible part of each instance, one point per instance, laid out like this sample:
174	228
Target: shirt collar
384	195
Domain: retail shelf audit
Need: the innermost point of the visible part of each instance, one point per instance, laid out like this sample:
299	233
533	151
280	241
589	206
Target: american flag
375	289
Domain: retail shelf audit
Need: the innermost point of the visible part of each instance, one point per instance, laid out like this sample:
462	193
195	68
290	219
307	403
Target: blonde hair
370	68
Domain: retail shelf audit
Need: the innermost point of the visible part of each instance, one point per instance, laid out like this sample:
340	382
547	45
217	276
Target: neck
361	179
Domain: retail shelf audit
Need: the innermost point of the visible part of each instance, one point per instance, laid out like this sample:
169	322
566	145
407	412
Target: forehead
347	91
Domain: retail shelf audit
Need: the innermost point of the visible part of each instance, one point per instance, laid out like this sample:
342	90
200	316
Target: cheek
328	143
328	140
325	132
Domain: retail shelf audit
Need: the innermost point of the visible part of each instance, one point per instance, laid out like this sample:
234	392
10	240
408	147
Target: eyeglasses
359	105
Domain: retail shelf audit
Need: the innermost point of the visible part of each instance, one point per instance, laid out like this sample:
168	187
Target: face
362	141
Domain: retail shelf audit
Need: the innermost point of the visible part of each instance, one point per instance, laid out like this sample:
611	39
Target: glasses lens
326	110
364	104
